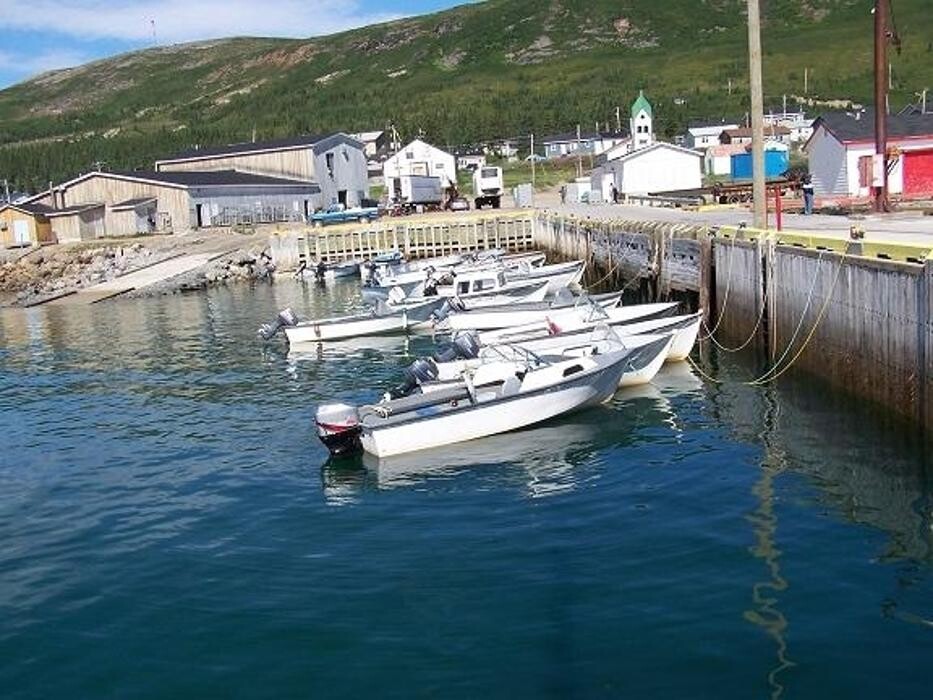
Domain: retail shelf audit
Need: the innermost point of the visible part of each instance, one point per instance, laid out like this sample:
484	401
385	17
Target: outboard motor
564	297
396	295
465	346
451	304
338	427
286	317
421	370
430	287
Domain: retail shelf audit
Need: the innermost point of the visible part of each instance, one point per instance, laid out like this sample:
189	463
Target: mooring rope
725	299
812	332
793	339
754	333
700	371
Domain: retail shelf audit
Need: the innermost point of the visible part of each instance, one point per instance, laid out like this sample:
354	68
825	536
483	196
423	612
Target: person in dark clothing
807	188
615	194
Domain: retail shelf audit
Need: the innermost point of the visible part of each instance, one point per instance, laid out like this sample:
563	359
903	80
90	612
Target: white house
420	158
703	134
373	142
470	159
718	158
587	143
642	122
794	118
841	153
660	167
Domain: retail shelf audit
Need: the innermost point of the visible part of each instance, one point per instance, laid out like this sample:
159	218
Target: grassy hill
493	69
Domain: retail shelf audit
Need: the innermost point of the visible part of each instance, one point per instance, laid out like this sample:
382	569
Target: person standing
615	194
807	189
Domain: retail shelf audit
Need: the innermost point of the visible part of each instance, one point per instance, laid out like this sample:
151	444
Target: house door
918	173
199	215
342	197
21	232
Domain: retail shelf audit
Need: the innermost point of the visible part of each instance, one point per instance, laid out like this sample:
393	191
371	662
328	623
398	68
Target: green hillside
493	69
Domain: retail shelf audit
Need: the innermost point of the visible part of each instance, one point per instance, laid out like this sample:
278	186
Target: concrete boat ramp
139	279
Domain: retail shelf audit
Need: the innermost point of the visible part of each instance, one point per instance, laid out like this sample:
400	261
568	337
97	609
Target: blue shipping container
776	164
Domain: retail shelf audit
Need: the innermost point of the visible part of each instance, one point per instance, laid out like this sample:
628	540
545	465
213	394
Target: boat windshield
512	353
590	310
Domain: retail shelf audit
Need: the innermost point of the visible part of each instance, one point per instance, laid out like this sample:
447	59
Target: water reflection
543	461
766	613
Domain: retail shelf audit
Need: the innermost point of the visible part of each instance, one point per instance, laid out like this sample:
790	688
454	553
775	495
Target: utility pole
881	101
618	120
532	168
579	155
806	80
6	190
760	203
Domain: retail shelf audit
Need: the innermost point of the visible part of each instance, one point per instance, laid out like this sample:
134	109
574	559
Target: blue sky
41	35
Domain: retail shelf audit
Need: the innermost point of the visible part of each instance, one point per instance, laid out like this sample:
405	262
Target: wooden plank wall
416	239
874	337
739	289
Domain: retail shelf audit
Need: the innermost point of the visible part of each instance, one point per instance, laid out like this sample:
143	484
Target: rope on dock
806	341
754	333
725	298
803	316
700	371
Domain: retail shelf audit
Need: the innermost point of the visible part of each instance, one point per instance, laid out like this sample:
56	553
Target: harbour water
171	527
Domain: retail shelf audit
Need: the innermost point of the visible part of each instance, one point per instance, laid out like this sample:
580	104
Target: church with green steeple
641	123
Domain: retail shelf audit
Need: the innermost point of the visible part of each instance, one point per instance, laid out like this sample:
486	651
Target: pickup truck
337	214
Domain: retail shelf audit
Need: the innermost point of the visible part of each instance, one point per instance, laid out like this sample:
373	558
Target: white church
641	165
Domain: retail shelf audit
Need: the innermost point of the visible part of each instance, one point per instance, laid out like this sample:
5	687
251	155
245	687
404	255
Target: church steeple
642	122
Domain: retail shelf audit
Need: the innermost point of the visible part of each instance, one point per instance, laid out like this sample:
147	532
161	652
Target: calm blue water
170	527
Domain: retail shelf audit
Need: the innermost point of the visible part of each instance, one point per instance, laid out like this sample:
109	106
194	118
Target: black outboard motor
464	346
286	317
320	271
338	427
421	370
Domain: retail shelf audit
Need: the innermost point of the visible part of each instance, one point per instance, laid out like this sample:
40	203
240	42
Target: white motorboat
518	323
648	353
582	317
381	320
559	275
474	408
475	283
685	329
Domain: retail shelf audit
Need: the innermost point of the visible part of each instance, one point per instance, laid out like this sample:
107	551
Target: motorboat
382	319
475	283
685	328
582	316
648	353
484	403
573	313
558	275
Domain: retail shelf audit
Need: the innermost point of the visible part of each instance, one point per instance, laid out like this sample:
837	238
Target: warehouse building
336	163
661	167
105	204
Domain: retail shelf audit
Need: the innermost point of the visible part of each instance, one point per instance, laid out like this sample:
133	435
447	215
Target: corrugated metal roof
210	178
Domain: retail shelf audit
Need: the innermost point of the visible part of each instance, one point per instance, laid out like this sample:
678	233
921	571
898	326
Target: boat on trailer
473	408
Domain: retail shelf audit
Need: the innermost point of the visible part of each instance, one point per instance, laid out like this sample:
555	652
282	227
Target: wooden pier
858	314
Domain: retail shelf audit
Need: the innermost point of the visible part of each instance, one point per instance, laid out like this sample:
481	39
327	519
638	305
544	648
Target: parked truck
488	187
408	192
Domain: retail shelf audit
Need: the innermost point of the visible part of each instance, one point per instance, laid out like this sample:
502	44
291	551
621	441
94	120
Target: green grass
167	99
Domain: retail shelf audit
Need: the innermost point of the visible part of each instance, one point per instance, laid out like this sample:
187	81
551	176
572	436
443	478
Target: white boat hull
362	325
587	388
508	327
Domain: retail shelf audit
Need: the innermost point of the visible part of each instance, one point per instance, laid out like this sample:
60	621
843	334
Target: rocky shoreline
46	273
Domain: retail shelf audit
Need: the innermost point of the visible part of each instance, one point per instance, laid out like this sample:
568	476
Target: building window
438	166
410	155
346	155
330	163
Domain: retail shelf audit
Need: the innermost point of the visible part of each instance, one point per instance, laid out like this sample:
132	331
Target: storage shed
777	161
25	224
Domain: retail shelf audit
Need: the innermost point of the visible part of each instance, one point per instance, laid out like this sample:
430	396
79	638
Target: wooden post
757	115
